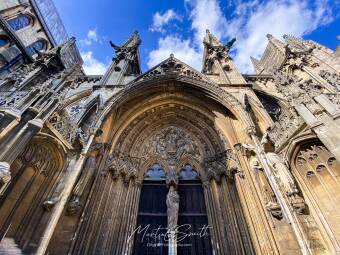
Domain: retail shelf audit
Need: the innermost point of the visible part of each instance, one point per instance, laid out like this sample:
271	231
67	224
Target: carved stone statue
282	173
78	190
56	195
209	61
270	200
172	203
286	181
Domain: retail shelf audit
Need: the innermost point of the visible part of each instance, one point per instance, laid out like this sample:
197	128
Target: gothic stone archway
172	130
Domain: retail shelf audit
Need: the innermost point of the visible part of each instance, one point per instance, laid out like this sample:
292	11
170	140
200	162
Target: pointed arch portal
170	165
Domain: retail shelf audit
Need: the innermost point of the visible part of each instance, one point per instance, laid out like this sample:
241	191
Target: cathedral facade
173	160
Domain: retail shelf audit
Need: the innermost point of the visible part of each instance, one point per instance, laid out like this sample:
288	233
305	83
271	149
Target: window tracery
20	22
38	45
319	171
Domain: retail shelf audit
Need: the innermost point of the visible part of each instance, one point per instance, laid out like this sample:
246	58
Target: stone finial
269	36
276	42
256	64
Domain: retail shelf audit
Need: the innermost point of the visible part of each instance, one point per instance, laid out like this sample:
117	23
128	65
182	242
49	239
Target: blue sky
178	26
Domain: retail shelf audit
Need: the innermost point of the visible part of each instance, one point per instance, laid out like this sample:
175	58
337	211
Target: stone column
132	219
8	120
217	241
72	174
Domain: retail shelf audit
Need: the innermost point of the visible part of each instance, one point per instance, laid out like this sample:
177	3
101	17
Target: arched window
192	216
319	172
19	22
152	214
3	41
38	45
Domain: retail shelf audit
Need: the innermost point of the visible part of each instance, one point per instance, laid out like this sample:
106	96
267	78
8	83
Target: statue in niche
172	203
283	175
86	175
56	195
286	181
270	200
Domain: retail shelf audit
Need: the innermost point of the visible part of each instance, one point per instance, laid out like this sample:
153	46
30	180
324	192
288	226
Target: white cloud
160	20
206	14
274	17
253	19
91	37
249	23
92	66
180	48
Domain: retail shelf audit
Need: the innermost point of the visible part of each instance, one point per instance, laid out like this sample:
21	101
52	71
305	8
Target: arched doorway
194	237
35	173
150	232
173	128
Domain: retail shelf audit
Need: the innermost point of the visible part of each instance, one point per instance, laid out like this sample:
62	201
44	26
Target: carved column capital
36	123
171	178
206	184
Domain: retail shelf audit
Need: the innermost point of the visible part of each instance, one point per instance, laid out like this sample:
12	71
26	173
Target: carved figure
270	201
78	190
172	203
56	195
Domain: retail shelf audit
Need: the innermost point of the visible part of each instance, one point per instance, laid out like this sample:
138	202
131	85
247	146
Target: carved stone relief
171	143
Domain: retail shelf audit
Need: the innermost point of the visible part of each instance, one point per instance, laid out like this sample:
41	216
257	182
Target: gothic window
155	173
152	214
3	41
320	171
270	104
19	22
38	45
193	228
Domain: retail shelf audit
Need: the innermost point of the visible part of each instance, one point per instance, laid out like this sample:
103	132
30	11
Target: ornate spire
211	40
125	65
257	65
217	63
277	43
